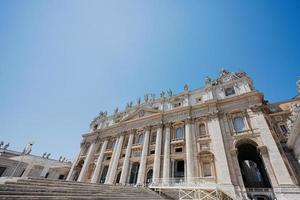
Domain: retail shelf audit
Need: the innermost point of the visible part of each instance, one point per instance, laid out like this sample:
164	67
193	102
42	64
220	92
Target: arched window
141	138
179	134
238	124
149	176
118	177
202	130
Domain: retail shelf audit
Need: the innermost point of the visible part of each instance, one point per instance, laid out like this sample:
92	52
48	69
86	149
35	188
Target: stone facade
18	164
221	133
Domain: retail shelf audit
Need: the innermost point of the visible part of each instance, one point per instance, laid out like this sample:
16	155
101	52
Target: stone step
20	197
100	187
87	185
38	191
56	189
62	181
11	186
128	195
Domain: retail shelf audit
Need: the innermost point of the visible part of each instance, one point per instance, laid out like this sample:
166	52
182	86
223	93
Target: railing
260	192
187	182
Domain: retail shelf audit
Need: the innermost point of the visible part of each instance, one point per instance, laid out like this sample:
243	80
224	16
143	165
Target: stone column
28	170
116	161
221	163
99	162
166	169
280	170
87	161
237	169
45	171
69	177
126	160
111	160
190	172
156	165
265	157
142	169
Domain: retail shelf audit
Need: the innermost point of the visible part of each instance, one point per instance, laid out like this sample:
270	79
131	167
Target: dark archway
149	176
118	177
178	168
252	167
134	173
103	174
78	170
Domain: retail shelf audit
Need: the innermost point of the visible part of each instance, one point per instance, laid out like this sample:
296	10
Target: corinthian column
190	172
114	165
69	177
156	167
166	169
111	160
126	160
87	161
221	163
99	162
142	169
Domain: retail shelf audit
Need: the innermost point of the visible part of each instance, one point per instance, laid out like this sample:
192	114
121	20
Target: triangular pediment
141	113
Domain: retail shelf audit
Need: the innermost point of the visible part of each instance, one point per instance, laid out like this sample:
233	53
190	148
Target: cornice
208	109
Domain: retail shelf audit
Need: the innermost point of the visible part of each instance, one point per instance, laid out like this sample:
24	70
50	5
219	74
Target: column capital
189	120
132	131
263	150
234	152
147	128
123	133
168	124
160	125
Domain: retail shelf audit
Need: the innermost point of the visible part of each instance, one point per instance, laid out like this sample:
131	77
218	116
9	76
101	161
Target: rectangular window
61	177
178	150
152	152
206	169
153	138
2	170
229	91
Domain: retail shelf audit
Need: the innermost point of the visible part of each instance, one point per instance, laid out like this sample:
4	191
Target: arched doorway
149	176
252	167
118	177
78	170
134	173
178	169
103	174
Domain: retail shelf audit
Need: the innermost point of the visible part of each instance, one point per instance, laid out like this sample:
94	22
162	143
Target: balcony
260	193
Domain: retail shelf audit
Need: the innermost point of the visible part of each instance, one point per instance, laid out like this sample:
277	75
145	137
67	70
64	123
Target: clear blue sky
61	62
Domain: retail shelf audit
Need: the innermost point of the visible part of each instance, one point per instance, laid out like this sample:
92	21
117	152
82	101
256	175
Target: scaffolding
194	188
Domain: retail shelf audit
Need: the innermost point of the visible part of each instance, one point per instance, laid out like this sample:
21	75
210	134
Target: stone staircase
37	188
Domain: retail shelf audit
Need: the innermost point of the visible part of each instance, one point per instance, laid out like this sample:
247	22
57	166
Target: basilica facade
222	134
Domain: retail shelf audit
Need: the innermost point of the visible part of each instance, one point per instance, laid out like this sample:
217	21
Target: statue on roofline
146	98
207	80
139	101
170	93
186	87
